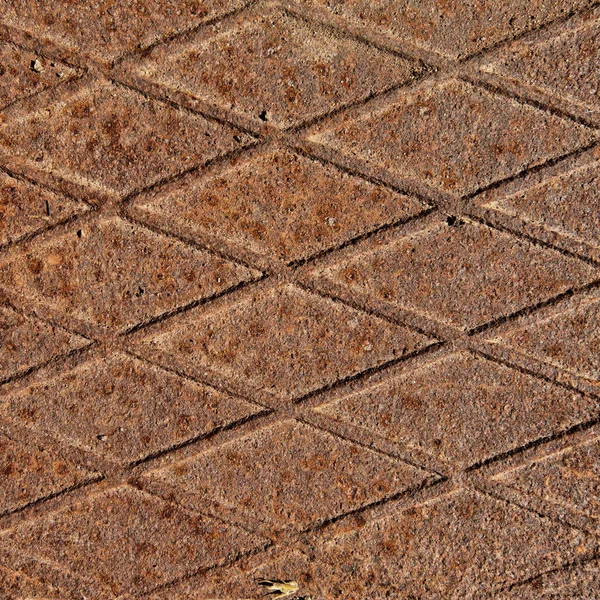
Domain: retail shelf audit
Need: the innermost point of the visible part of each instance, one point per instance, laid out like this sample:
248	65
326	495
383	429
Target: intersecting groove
28	237
534	444
25	98
377	314
202	437
195	244
42	185
379	503
189	306
427	201
42	54
348	34
372	447
497	89
59	358
533	308
522	506
141	52
353	241
541	376
358	103
38	501
528	32
180	107
253	552
541	243
536	168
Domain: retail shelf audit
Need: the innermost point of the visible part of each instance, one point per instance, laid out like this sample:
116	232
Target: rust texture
299	297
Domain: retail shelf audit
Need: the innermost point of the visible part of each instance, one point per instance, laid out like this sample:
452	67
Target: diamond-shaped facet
128	541
463	409
273	67
283	340
114	273
277	204
440	271
124	408
111	139
287	476
451	135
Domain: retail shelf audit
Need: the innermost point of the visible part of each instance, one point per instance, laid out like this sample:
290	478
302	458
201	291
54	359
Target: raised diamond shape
277	204
452	27
451	135
462	545
284	341
25	208
30	473
286	476
570	340
111	139
114	273
570	478
24	73
128	541
106	29
26	342
124	408
441	270
567	204
271	66
463	409
565	65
